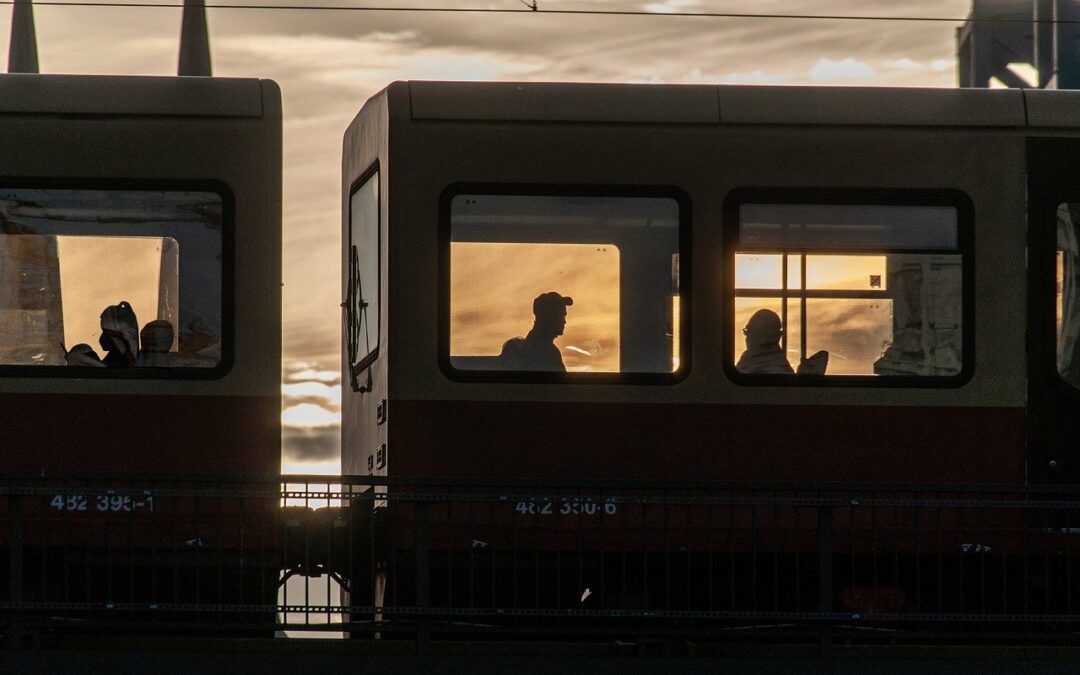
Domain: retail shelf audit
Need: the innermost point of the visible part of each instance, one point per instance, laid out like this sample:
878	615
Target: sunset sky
329	62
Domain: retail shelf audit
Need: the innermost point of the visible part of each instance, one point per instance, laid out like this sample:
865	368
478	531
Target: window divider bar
823	293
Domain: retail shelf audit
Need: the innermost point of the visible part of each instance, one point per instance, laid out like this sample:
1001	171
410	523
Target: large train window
557	284
1068	293
112	282
848	287
362	302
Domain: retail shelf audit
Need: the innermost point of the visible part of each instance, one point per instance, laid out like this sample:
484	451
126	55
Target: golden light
492	287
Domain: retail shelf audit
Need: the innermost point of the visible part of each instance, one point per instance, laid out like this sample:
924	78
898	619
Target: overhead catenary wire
533	8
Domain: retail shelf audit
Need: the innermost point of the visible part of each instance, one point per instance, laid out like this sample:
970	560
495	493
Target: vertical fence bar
16	553
16	544
825	575
423	563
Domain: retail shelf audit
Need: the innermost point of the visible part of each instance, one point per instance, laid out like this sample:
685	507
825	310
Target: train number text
565	507
104	503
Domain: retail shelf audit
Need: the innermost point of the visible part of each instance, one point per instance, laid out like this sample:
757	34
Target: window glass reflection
1068	293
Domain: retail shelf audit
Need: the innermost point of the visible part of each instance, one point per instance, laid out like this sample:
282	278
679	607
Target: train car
733	284
140	274
140	336
749	283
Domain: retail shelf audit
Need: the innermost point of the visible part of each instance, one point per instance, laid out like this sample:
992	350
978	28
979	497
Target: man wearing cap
537	351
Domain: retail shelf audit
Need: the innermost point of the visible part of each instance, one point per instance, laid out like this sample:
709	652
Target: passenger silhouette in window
537	351
763	355
83	354
119	335
157	339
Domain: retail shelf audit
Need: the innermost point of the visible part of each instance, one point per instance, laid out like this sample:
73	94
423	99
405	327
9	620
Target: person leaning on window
764	355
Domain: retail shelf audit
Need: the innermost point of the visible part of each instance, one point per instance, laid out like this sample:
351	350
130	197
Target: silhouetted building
1042	34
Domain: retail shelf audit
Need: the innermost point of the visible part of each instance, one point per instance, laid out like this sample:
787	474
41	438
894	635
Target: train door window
576	286
847	291
112	282
1068	293
362	303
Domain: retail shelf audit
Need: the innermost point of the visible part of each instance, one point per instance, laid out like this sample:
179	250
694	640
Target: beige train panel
365	143
871	106
1053	108
707	164
118	95
241	152
551	102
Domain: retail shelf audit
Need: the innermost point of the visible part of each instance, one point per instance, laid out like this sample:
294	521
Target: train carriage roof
130	95
735	104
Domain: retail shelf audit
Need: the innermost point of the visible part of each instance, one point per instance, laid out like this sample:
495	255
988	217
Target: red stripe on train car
161	434
705	442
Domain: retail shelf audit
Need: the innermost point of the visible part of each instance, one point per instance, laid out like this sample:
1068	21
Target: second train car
712	282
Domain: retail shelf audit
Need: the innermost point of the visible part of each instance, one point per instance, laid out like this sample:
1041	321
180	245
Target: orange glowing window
856	290
493	285
112	279
574	284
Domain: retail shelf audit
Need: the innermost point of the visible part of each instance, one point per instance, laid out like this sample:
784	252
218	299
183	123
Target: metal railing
384	558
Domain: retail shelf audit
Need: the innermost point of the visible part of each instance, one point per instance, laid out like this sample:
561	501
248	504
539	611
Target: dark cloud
310	445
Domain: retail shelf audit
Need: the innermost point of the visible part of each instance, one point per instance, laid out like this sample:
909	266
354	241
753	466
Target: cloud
329	467
827	70
311	445
753	77
313	390
672	6
302	372
309	416
904	64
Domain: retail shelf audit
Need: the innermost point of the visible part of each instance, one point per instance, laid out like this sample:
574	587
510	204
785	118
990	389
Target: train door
1053	348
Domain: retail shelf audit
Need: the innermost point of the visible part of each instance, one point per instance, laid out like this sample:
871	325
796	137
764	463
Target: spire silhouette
194	40
22	50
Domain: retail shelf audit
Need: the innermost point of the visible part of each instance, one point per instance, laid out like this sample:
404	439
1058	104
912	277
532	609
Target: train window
583	284
362	303
1068	293
846	289
125	280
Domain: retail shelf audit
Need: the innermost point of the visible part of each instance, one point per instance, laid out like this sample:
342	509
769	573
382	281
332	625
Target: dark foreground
299	656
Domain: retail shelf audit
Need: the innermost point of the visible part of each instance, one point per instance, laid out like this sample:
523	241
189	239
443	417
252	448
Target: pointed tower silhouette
194	40
22	51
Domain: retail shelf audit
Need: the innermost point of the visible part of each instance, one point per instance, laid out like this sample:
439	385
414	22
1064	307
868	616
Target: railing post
825	575
16	553
423	576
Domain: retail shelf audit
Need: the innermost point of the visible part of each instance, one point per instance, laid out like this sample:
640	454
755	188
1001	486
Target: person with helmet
764	355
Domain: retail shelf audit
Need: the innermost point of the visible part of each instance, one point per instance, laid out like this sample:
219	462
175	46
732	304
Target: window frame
1070	389
684	205
361	364
228	276
965	221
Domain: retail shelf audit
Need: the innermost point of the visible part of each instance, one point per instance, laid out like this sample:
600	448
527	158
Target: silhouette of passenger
119	335
83	354
157	339
537	350
763	355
